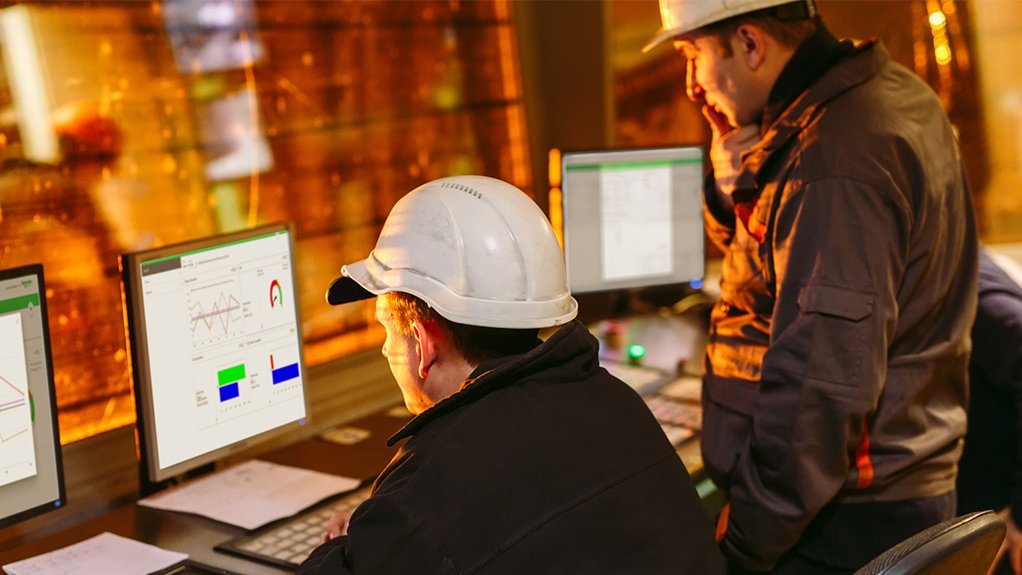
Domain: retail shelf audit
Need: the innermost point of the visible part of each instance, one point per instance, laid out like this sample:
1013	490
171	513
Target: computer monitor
216	348
632	218
31	473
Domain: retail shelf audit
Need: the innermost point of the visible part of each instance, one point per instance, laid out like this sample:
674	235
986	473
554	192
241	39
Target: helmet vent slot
470	191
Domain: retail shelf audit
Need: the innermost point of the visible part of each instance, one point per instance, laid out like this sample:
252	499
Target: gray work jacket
837	363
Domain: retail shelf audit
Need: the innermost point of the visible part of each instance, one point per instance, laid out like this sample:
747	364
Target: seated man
524	456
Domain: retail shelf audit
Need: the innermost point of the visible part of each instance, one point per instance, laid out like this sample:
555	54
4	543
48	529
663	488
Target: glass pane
126	125
964	50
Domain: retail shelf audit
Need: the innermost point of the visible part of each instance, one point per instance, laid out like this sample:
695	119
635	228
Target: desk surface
673	344
670	342
197	535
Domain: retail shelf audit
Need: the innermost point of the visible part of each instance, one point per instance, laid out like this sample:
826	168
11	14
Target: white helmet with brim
683	16
476	249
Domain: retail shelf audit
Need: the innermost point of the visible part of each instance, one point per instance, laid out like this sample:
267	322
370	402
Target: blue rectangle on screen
282	374
228	392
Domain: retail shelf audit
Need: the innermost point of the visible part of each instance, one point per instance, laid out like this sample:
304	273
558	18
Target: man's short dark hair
477	344
788	24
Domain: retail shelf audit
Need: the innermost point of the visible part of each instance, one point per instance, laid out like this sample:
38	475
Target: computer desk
670	342
675	345
197	535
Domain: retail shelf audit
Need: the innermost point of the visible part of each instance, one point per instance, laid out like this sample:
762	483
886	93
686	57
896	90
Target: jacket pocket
839	326
728	406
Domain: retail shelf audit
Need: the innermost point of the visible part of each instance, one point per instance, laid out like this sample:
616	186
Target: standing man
523	456
836	370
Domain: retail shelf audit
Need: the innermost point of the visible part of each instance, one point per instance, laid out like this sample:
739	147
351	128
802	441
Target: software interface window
29	460
640	210
15	409
635	208
223	346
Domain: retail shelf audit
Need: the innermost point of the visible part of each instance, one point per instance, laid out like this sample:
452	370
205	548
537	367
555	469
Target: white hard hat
681	16
476	249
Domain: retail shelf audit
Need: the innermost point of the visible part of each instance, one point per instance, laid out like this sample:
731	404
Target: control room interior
120	133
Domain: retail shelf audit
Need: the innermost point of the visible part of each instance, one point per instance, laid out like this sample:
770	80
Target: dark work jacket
836	369
542	464
990	472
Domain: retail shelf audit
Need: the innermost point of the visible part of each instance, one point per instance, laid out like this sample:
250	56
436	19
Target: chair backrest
964	545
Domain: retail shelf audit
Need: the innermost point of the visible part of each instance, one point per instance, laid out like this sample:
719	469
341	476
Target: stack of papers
252	494
105	553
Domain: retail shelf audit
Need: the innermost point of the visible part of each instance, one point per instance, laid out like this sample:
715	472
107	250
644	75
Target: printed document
105	553
252	494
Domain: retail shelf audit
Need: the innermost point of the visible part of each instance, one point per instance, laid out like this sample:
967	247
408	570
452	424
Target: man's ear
426	347
750	45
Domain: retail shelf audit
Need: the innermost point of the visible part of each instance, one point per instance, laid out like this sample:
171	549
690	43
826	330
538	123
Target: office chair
964	545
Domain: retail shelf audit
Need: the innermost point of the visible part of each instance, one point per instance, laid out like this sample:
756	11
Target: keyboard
637	377
190	567
290	541
684	388
680	413
674	402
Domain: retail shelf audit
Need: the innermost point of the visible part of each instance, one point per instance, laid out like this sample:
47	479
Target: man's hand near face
726	149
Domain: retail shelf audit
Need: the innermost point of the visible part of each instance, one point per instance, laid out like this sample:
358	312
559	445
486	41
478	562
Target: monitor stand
147	488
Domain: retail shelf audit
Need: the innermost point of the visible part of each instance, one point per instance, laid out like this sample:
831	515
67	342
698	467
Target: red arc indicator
276	294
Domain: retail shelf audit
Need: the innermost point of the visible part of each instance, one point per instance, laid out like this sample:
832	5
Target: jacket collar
811	60
571	343
865	63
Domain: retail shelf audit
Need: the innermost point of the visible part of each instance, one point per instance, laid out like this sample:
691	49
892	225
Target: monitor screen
632	218
215	345
31	475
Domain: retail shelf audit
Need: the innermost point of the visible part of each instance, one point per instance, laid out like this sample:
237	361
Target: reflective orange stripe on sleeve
862	462
722	520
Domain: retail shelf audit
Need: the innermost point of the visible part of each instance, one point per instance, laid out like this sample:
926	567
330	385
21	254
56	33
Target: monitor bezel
61	501
151	477
568	156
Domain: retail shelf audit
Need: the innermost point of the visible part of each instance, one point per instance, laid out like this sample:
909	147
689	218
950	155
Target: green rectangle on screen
20	302
231	374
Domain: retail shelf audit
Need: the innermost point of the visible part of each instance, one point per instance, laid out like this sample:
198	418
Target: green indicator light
636	351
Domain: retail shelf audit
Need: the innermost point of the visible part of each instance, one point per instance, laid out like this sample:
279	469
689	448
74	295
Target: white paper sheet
105	553
252	494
